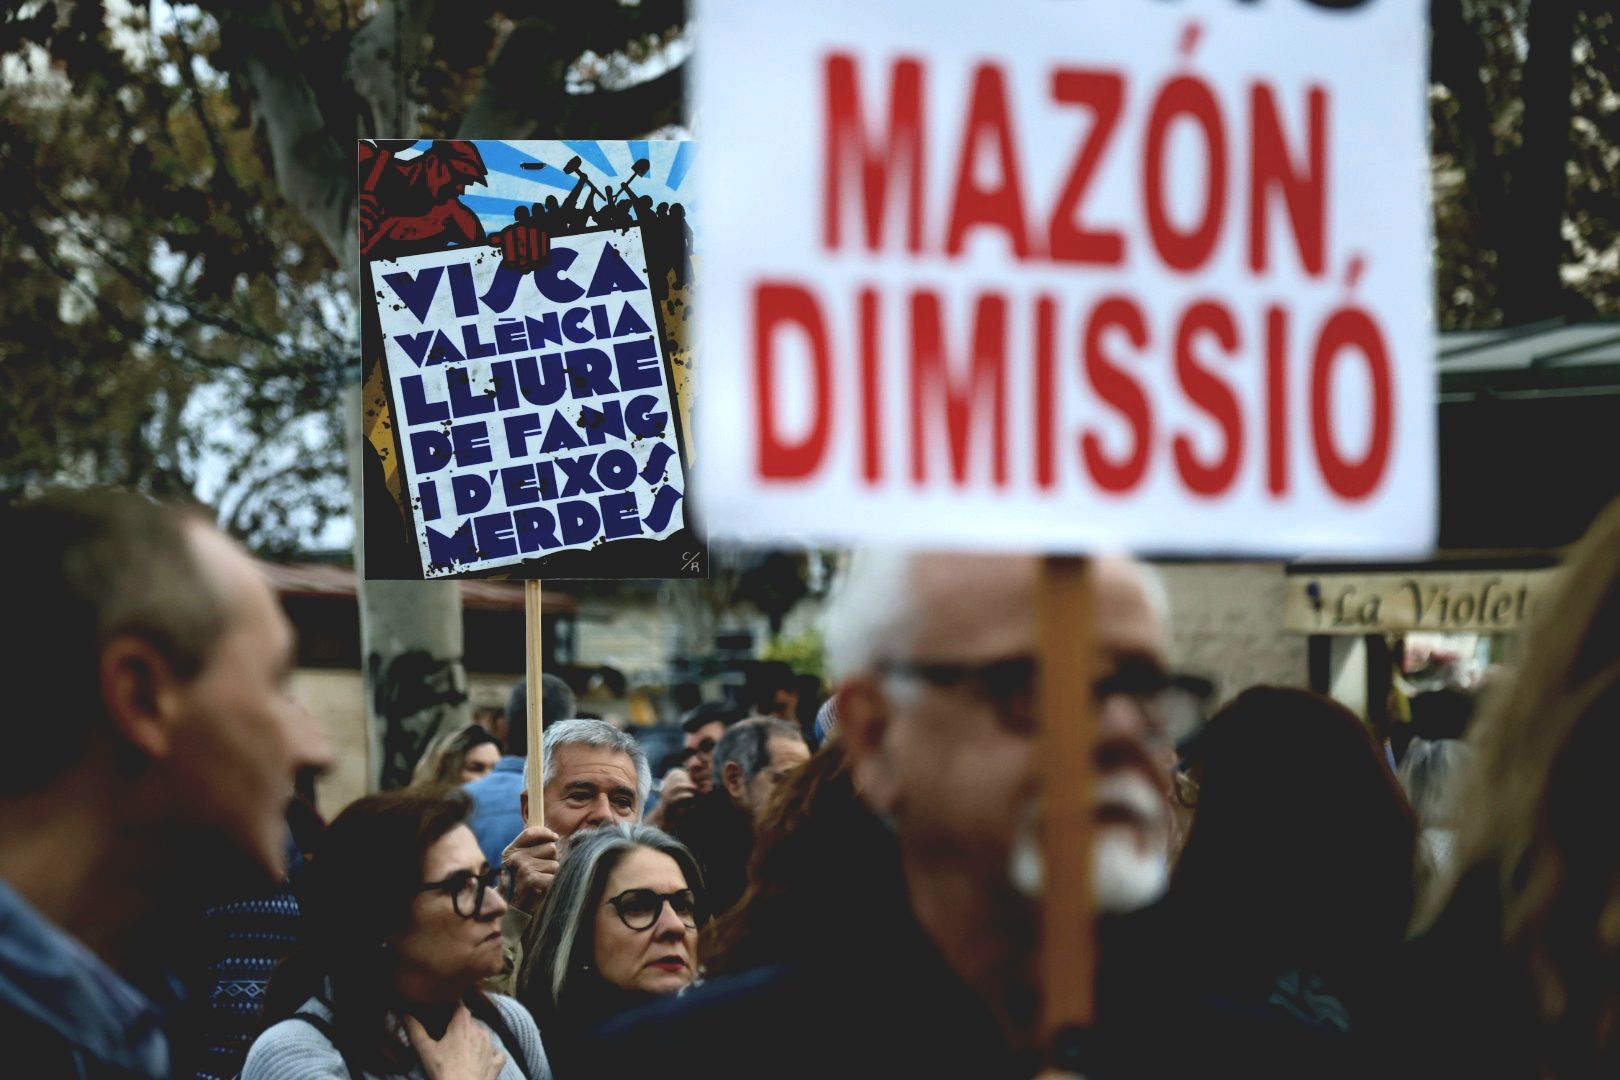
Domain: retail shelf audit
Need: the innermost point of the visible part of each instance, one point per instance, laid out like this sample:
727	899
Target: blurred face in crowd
1135	754
955	764
783	756
478	761
238	738
642	941
946	761
592	786
785	703
443	953
700	759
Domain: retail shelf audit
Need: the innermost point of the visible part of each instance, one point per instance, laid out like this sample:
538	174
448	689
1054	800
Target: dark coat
899	1011
721	837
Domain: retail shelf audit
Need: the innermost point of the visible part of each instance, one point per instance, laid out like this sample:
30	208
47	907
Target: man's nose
1120	717
601	811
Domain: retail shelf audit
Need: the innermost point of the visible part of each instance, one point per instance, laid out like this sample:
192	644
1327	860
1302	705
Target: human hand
678	785
465	1053
532	858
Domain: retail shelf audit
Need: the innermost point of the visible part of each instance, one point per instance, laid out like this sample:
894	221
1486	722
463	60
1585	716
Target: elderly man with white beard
937	715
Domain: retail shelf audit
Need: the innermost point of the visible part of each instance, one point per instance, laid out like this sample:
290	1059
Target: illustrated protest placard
1096	273
524	379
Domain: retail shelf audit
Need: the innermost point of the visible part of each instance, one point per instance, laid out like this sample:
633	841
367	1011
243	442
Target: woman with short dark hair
403	920
618	929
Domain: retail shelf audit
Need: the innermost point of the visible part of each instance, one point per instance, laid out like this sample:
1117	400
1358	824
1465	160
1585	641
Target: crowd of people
1281	889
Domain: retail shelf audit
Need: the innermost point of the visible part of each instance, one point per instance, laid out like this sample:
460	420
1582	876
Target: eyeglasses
639	908
705	745
1171	702
466	888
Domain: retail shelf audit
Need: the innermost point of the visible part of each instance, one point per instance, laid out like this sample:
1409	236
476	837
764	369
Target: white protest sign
534	409
1058	275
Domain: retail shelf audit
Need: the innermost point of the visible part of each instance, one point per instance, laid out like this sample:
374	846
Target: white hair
867	610
1158	593
599	735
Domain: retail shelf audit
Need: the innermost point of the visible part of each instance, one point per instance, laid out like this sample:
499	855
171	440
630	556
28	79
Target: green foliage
802	652
166	312
174	321
1522	233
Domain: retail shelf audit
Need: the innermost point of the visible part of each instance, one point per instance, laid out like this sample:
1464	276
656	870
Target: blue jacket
63	1011
497	815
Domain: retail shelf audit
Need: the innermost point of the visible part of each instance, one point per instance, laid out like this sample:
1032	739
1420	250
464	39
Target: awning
1529	427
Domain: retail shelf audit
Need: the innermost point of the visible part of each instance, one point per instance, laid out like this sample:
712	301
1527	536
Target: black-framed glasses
639	908
1008	684
1172	702
705	747
466	888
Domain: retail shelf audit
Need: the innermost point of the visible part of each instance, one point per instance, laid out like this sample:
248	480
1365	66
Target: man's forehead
591	763
782	748
240	586
1128	622
983	607
970	606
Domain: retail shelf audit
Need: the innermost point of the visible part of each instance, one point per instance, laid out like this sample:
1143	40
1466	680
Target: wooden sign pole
1066	651
534	648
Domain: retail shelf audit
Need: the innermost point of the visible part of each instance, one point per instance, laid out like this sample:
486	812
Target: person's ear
863	727
141	693
732	778
523	805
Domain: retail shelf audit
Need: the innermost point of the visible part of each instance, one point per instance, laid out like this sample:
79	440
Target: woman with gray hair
618	929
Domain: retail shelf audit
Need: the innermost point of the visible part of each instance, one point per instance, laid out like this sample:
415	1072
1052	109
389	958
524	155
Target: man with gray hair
594	774
750	761
754	757
938	717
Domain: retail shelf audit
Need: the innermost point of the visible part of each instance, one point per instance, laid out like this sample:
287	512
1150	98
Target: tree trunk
410	632
411	644
1534	243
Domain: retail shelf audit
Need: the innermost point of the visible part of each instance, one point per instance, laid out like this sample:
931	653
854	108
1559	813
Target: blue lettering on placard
416	291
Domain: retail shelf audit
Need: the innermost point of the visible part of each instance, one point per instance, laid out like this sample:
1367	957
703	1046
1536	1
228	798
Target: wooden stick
1066	649
534	648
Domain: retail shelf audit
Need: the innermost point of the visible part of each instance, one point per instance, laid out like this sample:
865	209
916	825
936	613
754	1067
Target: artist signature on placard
692	561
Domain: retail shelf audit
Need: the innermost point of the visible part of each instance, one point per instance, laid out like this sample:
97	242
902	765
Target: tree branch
1534	288
316	175
524	82
627	113
381	58
524	93
1458	62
